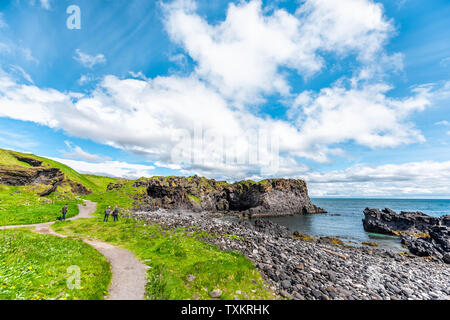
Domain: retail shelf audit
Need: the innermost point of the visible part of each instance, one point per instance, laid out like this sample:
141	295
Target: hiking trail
128	273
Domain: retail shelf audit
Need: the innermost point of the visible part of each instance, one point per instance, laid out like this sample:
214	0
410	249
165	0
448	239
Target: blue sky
352	96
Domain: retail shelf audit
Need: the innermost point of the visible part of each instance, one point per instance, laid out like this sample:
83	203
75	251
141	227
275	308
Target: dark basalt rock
32	162
52	177
271	228
114	186
387	221
19	176
269	197
421	234
78	188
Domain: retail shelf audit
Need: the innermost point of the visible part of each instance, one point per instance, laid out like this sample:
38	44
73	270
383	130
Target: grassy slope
173	255
122	197
23	205
35	266
6	158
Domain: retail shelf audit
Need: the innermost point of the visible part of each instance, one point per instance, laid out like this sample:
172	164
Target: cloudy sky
351	95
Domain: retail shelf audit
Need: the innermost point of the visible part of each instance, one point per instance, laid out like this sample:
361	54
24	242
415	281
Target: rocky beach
316	268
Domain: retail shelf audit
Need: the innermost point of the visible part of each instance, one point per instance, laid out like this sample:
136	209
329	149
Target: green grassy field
174	255
123	197
36	267
21	205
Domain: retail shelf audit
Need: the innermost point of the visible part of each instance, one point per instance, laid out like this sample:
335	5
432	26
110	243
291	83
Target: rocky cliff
37	174
421	234
268	197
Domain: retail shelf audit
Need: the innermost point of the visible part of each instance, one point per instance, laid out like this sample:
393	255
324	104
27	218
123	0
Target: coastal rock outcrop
264	198
421	234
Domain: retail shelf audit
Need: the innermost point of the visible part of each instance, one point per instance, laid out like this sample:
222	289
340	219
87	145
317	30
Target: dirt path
128	273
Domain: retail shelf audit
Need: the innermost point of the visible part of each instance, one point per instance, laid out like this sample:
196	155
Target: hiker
64	211
107	213
116	213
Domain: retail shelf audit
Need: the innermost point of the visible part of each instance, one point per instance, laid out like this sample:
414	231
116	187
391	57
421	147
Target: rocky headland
423	235
271	197
302	267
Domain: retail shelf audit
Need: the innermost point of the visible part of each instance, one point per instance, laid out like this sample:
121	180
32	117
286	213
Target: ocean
344	218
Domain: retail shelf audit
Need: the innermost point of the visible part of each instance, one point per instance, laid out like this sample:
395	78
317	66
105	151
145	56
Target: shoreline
317	269
376	240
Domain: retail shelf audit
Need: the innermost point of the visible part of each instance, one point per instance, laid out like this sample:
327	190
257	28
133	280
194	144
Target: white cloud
28	55
242	56
150	117
443	123
426	178
9	48
109	168
357	26
138	75
87	78
363	115
45	4
76	152
88	60
19	70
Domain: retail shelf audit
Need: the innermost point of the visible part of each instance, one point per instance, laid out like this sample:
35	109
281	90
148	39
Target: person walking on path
107	213
116	213
64	212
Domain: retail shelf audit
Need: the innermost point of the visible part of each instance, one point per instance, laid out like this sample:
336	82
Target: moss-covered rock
270	196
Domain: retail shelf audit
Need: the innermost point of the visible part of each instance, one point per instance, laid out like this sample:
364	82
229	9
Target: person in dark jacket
107	213
64	212
116	213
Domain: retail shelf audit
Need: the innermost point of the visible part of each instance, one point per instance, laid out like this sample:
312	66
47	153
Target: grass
21	205
195	198
36	267
122	197
7	159
101	183
173	255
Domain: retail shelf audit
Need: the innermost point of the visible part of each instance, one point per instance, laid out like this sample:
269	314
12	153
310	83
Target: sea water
344	218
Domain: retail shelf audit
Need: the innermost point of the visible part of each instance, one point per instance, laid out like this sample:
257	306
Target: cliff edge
271	197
